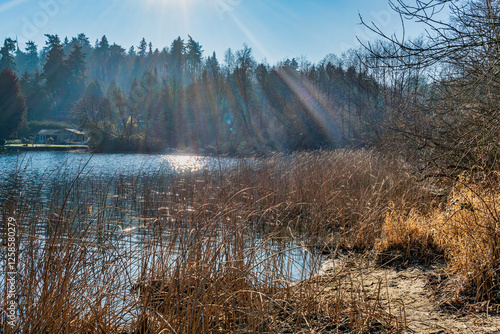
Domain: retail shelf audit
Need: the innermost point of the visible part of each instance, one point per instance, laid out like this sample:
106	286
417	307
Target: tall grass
201	251
464	230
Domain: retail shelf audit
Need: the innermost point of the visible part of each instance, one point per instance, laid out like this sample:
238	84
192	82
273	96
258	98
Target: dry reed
200	251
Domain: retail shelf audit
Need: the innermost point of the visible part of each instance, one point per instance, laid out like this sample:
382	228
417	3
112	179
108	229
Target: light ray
11	4
253	40
312	100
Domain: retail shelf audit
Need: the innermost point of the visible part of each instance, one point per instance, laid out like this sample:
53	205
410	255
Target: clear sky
274	29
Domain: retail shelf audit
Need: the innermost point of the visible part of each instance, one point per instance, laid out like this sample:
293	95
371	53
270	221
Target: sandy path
407	290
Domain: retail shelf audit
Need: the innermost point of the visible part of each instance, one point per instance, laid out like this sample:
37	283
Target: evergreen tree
230	61
37	102
19	59
150	52
32	59
76	73
6	58
142	48
12	104
193	56
67	45
212	66
55	71
178	59
116	59
76	62
83	41
245	64
101	60
131	52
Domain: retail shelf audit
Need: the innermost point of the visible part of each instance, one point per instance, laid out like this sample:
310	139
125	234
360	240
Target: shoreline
36	148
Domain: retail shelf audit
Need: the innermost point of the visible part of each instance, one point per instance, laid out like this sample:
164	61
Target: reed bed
206	251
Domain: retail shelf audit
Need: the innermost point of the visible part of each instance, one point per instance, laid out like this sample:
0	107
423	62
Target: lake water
38	164
43	173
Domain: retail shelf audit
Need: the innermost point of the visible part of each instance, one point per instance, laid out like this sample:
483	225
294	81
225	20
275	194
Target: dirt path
407	290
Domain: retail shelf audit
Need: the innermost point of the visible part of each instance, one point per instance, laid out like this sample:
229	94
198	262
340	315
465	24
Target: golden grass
465	229
406	238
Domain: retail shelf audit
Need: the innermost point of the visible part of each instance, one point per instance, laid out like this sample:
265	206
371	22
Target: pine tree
142	48
178	58
32	59
193	56
55	71
131	52
12	104
76	73
37	103
7	60
101	60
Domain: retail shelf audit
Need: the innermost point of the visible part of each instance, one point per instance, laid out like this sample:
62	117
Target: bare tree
445	96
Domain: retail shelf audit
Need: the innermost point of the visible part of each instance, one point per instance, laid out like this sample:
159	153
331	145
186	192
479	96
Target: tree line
149	100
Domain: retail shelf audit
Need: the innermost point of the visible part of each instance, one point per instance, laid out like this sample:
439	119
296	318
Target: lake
38	164
126	193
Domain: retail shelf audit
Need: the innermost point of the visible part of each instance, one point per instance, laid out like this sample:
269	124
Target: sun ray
253	40
312	100
10	4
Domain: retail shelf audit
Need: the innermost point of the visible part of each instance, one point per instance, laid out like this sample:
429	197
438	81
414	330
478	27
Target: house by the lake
65	136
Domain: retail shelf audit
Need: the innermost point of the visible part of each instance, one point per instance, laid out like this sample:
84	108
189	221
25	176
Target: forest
148	100
432	99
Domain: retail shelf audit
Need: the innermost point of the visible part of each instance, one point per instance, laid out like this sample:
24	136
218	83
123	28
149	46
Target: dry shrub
469	230
407	238
465	229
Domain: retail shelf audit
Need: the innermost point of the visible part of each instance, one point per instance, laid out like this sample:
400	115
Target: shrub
465	230
407	239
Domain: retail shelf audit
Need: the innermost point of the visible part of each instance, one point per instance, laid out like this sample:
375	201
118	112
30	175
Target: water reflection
186	163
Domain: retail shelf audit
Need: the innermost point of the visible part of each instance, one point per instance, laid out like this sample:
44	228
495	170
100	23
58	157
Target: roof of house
48	132
76	132
54	132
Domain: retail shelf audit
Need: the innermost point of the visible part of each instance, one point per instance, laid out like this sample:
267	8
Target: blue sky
274	29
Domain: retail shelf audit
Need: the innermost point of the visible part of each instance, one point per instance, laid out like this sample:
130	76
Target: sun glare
184	163
166	7
170	3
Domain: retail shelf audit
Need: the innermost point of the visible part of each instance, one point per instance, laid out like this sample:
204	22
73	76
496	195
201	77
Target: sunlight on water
40	165
185	163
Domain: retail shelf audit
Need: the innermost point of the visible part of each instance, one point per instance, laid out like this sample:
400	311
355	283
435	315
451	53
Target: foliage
12	105
176	98
6	58
34	126
463	230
